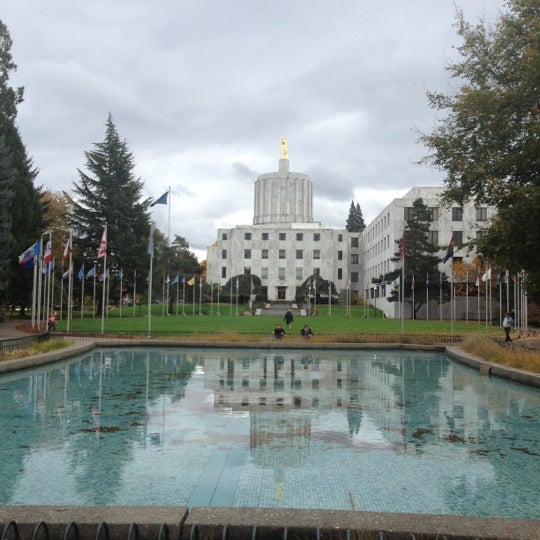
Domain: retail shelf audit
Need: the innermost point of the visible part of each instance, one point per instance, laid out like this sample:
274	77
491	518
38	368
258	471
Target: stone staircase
278	309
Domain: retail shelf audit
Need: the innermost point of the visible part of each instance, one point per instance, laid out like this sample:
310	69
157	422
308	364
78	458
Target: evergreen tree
421	262
110	194
487	144
355	220
22	216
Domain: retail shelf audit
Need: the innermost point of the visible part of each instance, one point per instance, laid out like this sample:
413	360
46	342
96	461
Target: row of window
282	236
299	254
299	273
457	213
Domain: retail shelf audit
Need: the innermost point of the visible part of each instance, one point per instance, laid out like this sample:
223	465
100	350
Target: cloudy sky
203	91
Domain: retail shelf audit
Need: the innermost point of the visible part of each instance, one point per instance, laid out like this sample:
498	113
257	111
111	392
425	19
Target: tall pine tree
421	262
110	194
22	215
355	220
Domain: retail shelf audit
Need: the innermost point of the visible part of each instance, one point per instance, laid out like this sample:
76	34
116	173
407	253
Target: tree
21	210
110	194
488	143
421	262
355	220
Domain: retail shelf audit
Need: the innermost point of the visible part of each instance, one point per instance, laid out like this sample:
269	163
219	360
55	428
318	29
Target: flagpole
62	291
217	308
177	291
440	297
211	299
34	286
329	301
467	297
200	294
237	296
121	291
478	295
427	296
94	294
193	298
134	292
82	292
184	296
103	251
151	253
70	286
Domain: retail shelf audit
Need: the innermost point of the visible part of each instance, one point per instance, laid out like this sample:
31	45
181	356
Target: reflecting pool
386	431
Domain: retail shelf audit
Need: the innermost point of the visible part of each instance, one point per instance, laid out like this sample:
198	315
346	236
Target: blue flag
91	272
80	275
27	258
162	200
175	280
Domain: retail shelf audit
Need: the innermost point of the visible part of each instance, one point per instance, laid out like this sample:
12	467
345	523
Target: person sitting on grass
278	331
306	332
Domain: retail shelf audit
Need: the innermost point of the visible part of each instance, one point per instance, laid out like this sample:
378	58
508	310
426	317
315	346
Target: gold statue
284	154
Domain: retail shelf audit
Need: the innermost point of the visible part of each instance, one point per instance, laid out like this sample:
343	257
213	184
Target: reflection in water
376	431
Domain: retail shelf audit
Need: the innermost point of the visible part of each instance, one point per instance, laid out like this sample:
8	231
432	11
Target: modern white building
284	246
379	238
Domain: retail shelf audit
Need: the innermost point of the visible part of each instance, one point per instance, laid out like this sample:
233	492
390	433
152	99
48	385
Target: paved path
8	329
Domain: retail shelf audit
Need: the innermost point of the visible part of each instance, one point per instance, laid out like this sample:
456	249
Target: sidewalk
12	328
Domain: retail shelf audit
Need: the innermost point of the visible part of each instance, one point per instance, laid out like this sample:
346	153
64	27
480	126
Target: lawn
325	323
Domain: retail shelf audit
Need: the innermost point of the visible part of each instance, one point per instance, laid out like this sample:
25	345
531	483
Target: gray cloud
203	92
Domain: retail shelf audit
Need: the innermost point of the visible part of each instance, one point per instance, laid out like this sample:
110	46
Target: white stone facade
464	223
284	246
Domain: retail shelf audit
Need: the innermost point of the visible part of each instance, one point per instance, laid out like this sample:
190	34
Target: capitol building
284	246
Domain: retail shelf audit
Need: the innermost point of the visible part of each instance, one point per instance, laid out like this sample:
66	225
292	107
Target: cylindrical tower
283	197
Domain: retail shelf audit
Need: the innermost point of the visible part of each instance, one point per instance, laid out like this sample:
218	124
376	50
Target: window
407	213
282	236
264	254
247	253
224	236
340	255
264	272
299	272
340	238
433	237
480	234
223	253
354	258
264	236
282	253
299	236
316	237
354	277
316	271
457	213
458	237
354	241
481	214
434	213
247	236
316	253
340	273
223	271
281	272
247	270
299	254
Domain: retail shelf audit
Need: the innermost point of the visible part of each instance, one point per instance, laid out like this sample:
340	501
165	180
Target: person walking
289	318
507	323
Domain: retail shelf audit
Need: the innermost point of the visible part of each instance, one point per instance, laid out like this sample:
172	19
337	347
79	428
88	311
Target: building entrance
281	293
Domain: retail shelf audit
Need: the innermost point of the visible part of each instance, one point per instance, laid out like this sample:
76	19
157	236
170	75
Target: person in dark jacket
289	318
278	331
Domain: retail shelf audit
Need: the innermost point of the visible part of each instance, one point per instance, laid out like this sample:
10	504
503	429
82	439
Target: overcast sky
203	91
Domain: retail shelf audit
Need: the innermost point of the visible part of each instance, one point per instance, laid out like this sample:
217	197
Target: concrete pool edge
261	523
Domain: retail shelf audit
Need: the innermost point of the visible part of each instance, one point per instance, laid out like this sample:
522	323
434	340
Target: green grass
324	323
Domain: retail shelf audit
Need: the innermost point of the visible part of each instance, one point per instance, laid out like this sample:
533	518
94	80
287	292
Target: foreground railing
14	344
248	337
180	523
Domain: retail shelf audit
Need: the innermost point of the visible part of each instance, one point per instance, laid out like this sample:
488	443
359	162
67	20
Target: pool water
384	431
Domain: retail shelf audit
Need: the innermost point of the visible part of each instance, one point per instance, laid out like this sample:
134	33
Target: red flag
47	256
402	246
103	244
